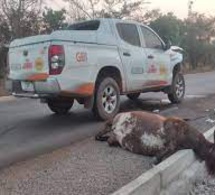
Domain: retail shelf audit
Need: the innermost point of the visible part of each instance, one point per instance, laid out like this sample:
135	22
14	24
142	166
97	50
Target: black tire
177	89
59	106
106	106
133	96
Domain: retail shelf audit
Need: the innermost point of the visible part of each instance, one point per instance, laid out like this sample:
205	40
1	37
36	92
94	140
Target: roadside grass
199	69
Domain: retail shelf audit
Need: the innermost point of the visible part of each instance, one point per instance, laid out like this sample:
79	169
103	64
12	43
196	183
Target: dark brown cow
154	135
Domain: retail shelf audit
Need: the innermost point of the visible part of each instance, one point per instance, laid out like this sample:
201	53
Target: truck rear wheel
107	99
59	106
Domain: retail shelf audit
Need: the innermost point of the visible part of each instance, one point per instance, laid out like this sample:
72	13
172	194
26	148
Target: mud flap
167	90
88	103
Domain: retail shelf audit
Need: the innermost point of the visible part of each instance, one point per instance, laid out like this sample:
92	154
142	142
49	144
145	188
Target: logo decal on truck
81	56
163	70
27	65
137	70
39	64
15	67
152	69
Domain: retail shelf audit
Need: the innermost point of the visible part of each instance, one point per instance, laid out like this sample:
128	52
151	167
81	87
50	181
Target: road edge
7	98
175	175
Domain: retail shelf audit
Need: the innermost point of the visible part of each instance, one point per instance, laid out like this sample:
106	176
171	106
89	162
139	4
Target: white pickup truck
94	62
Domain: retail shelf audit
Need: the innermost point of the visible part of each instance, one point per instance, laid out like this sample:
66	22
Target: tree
3	59
18	18
197	39
53	20
4	31
21	16
149	16
193	35
82	9
169	27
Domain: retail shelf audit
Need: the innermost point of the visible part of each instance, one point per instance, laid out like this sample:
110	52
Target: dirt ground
204	186
1	88
3	92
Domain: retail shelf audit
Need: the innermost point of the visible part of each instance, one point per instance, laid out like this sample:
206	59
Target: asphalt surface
29	128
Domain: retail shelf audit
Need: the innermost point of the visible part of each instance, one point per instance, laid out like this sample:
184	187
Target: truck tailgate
28	60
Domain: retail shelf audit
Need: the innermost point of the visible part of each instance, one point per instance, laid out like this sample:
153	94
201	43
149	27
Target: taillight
56	59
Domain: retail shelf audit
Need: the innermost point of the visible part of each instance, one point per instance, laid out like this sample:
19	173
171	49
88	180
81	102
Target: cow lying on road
154	135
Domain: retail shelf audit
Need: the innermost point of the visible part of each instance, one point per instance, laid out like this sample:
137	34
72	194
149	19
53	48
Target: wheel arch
176	68
113	72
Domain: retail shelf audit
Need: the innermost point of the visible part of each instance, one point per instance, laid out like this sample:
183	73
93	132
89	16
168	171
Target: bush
3	61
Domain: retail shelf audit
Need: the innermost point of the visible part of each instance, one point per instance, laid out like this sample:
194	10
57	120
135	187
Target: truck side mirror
168	43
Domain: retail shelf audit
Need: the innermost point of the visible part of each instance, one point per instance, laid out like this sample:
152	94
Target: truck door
158	60
132	55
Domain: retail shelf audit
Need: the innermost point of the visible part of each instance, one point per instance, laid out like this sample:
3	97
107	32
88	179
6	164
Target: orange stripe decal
38	77
85	89
154	83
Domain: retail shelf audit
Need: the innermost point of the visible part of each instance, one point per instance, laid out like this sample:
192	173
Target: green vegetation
21	18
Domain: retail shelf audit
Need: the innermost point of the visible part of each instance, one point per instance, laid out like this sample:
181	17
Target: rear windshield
89	25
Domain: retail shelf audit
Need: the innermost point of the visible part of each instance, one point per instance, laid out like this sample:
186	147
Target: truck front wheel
107	99
59	106
177	89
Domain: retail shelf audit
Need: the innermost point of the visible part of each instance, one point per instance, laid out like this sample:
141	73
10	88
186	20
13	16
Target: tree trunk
3	67
2	87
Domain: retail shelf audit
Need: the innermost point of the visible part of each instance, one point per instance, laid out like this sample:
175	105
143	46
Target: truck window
89	25
129	33
151	39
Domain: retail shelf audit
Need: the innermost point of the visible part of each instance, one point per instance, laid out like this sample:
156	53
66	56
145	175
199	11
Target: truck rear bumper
26	95
40	88
49	88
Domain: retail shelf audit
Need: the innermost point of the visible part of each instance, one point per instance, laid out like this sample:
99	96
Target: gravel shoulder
205	186
91	167
88	167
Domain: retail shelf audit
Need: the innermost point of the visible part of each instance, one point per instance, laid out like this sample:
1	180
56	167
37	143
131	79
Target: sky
178	7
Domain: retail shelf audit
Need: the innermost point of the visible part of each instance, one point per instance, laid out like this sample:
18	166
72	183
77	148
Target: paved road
28	127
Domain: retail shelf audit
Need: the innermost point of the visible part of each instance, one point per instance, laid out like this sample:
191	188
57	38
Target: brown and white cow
154	135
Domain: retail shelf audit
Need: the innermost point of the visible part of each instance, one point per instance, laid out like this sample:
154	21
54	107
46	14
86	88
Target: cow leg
168	151
112	141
